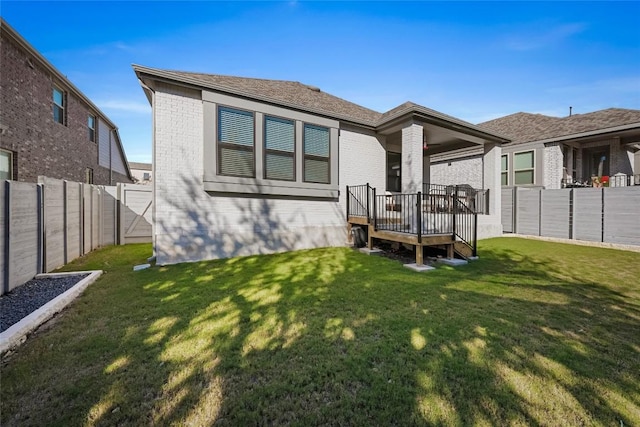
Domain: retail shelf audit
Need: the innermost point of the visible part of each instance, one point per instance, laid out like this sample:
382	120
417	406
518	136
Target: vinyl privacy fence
49	224
610	215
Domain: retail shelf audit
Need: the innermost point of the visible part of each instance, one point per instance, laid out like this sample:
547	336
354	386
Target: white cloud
539	38
125	106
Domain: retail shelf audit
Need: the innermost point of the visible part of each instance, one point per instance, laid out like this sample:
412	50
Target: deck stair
438	217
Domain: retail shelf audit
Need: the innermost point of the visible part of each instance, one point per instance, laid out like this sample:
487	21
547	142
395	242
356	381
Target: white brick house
249	166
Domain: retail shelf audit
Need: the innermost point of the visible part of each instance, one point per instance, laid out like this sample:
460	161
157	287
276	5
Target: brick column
491	177
412	166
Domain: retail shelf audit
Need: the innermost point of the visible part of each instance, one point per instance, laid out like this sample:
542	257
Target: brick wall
553	160
40	145
466	170
191	224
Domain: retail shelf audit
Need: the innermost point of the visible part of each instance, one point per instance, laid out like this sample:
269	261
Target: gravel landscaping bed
26	299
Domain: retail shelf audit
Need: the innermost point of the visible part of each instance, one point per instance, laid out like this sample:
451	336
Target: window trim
220	145
63	107
11	160
259	187
266	150
306	156
533	168
505	171
93	134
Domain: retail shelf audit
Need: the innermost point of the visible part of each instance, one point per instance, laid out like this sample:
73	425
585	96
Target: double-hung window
523	168
504	169
279	146
6	165
91	124
58	105
236	135
316	154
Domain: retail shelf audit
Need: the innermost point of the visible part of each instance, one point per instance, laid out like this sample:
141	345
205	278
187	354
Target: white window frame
532	169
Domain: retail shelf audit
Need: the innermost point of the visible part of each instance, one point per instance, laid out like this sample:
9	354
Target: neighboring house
47	126
555	152
247	166
141	172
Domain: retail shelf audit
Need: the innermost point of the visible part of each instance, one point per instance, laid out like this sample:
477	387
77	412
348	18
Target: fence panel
74	220
587	214
135	215
86	218
53	216
109	215
24	238
528	211
622	215
95	217
507	210
554	221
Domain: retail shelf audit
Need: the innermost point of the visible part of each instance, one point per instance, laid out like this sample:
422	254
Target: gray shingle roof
526	127
307	98
295	94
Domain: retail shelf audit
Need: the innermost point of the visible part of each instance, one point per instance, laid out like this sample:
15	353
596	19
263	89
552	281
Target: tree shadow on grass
332	337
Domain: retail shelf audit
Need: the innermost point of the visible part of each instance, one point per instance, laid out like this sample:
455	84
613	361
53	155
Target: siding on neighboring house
192	224
39	144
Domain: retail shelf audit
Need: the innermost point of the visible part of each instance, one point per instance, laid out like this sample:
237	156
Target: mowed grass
533	333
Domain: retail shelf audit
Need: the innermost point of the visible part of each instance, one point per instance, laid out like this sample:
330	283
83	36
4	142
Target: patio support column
412	165
491	177
426	169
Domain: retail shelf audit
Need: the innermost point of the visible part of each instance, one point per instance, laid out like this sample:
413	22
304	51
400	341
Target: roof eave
590	133
440	119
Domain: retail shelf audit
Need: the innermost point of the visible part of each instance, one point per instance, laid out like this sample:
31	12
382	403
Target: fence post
7	240
375	210
368	201
602	216
348	203
41	237
540	209
419	216
453	211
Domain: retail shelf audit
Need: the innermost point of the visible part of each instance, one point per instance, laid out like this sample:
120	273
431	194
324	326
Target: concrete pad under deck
454	262
419	268
374	251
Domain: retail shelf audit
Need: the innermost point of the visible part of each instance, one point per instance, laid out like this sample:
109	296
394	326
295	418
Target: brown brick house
47	126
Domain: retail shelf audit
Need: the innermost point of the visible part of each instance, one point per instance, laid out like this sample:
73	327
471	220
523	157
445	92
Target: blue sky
472	60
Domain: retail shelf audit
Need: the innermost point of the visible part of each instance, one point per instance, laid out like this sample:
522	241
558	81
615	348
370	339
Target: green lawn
533	333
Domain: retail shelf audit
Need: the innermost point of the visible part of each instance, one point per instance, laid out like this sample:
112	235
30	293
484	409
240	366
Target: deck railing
440	197
440	210
619	180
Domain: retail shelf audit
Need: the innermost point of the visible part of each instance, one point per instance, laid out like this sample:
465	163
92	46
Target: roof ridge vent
313	88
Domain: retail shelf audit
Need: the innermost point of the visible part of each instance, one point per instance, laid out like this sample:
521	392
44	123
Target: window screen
279	142
235	142
316	154
58	105
523	169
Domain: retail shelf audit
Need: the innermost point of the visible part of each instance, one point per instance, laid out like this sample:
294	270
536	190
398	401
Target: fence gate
135	213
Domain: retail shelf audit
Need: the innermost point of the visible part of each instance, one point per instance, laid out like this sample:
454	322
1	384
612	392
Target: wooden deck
447	240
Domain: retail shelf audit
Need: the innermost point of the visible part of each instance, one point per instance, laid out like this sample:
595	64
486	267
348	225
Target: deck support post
370	237
419	255
450	251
